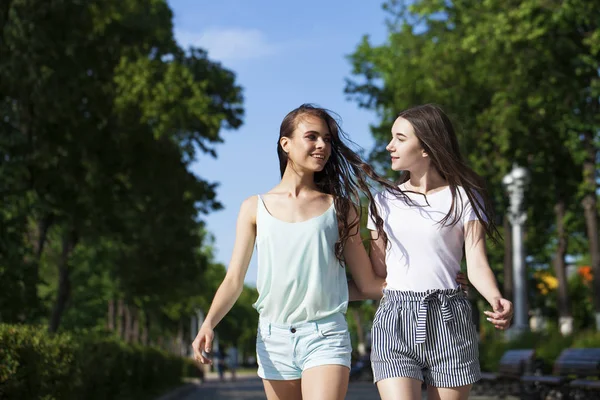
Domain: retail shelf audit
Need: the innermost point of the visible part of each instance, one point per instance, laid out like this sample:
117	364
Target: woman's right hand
203	342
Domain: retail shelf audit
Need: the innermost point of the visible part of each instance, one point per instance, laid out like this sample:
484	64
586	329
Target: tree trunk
146	329
590	208
120	318
179	340
565	316
127	322
135	325
43	227
37	238
508	265
4	10
110	323
64	283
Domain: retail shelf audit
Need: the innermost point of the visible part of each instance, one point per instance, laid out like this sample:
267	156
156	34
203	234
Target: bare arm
353	293
482	276
377	254
231	287
369	285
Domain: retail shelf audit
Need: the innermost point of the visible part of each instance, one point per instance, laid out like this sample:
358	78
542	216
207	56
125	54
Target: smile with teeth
319	156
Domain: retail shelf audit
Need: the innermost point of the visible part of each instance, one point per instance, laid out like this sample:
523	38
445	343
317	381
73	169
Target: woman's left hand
502	315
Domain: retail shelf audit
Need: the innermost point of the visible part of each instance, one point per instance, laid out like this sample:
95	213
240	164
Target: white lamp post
515	183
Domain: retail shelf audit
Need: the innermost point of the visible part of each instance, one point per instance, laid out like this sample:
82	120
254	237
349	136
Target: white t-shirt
421	253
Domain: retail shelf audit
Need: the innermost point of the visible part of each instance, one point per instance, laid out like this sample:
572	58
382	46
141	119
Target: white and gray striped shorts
429	336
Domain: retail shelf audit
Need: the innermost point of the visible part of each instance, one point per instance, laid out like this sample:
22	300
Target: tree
98	132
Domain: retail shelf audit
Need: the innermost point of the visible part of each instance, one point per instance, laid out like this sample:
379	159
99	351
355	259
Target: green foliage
360	313
98	129
579	292
97	132
36	365
587	339
548	345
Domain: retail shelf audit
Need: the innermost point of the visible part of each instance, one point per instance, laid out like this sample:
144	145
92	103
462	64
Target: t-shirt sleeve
469	209
371	220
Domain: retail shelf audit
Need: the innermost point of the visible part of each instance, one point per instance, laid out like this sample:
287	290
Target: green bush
589	339
37	365
34	365
548	346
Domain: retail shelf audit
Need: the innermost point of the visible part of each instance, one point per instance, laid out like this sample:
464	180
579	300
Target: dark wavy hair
436	135
344	176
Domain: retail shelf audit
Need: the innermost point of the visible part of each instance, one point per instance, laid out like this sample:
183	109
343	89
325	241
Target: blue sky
283	54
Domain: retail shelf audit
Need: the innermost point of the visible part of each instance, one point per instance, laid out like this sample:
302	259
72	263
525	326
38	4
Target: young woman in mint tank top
305	230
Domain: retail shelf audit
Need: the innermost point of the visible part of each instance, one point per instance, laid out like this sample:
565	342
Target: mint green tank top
299	277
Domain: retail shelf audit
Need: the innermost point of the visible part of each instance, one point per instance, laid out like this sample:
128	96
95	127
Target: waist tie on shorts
447	314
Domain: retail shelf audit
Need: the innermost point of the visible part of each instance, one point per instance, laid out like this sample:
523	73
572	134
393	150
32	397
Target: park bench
512	365
575	375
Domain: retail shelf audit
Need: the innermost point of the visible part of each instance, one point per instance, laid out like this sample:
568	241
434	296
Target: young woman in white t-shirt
423	328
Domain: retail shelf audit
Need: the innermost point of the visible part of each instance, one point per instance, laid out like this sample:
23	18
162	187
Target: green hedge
547	345
36	365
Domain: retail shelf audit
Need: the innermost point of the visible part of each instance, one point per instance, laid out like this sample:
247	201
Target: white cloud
228	44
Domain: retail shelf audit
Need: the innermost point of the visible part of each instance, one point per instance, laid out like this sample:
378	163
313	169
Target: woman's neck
296	182
425	182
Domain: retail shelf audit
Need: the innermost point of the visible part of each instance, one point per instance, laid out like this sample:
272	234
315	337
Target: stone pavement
249	387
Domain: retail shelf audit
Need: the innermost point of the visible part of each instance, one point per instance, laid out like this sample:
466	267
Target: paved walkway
249	387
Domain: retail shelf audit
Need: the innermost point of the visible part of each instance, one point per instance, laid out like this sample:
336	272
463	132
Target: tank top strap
262	214
261	204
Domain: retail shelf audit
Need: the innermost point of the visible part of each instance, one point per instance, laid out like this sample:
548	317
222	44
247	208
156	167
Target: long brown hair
344	176
436	134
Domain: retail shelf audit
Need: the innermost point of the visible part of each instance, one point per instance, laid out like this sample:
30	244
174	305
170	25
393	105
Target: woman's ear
284	142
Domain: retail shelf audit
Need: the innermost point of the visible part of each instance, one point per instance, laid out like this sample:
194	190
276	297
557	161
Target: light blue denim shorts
285	351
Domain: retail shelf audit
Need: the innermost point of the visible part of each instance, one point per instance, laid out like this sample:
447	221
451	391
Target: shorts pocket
465	312
383	309
333	331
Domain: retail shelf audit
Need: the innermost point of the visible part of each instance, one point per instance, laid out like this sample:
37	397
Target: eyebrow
399	133
327	134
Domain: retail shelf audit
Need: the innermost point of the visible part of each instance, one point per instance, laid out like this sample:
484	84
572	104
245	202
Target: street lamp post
515	183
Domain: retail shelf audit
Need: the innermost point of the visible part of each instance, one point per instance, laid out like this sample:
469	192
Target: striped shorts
429	336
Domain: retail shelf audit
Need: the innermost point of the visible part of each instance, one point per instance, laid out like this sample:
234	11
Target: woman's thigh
399	388
283	390
455	393
325	382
